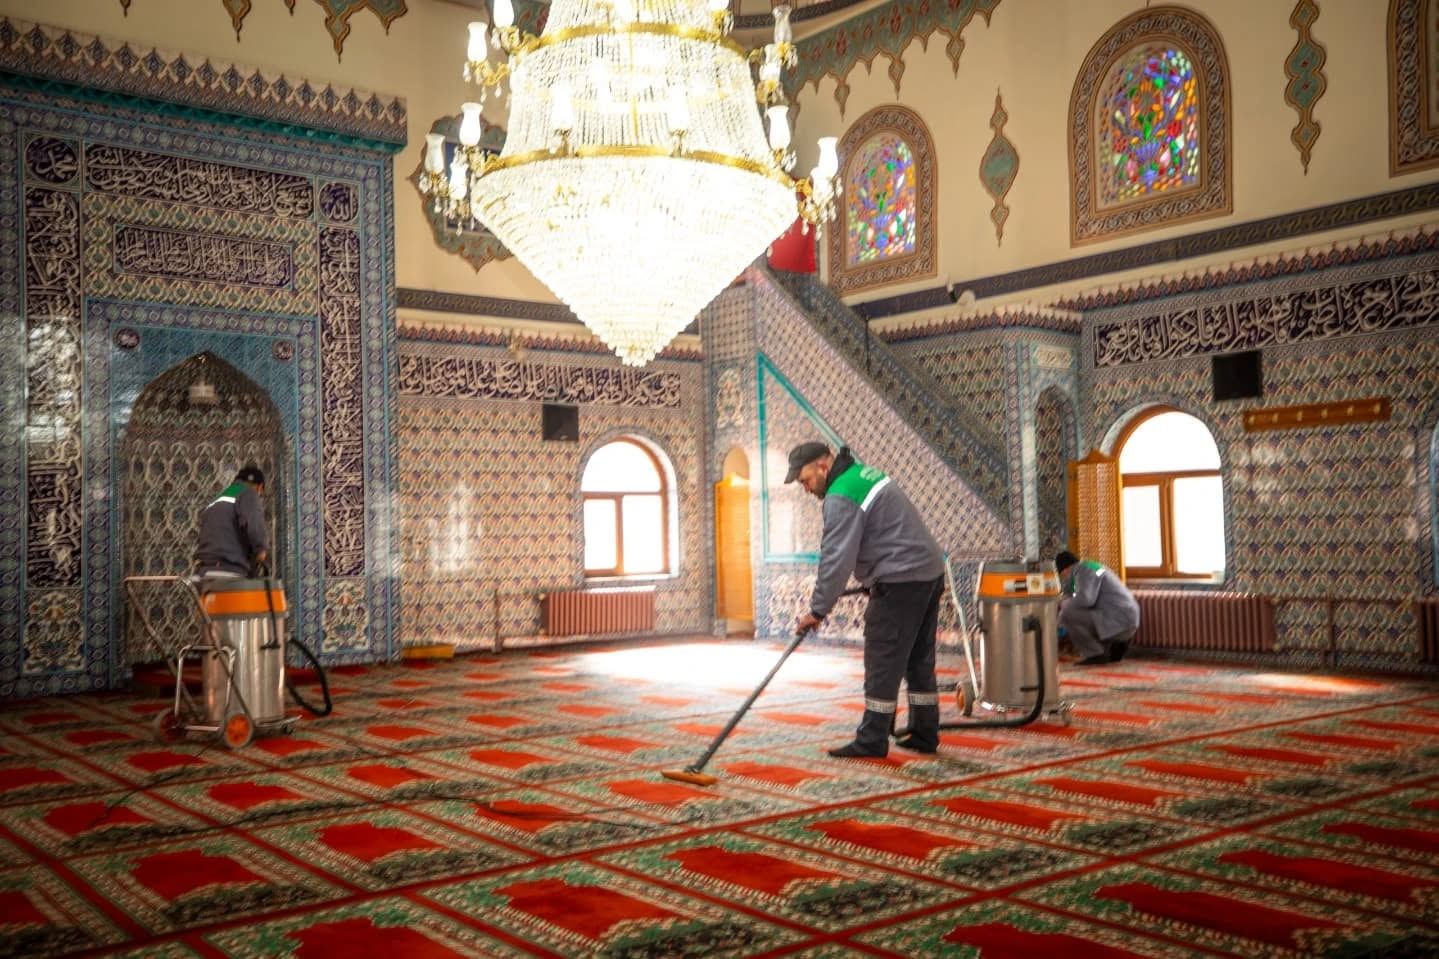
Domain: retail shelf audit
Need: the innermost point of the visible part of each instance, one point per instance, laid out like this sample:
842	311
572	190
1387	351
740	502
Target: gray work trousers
899	628
1078	624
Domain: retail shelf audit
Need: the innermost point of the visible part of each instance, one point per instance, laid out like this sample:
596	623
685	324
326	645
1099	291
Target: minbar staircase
973	449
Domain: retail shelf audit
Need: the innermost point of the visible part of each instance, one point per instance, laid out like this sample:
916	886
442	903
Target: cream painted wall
1032	51
419	60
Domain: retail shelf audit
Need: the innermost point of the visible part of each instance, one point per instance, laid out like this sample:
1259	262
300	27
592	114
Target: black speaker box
1238	376
561	422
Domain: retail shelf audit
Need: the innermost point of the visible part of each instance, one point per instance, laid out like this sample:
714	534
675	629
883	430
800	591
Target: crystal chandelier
636	180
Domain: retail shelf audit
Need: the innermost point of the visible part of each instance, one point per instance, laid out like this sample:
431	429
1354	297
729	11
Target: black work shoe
1117	651
855	751
1099	660
916	745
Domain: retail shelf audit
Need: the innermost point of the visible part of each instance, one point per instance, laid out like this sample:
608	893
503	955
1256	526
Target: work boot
855	751
923	733
871	739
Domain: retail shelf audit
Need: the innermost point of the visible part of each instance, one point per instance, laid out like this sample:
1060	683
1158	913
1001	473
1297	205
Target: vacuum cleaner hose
1031	625
308	653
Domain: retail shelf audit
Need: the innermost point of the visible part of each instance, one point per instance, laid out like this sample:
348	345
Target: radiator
1227	622
1426	615
597	612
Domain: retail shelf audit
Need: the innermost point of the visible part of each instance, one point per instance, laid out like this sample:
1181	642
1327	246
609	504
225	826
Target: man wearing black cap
873	531
1101	616
234	540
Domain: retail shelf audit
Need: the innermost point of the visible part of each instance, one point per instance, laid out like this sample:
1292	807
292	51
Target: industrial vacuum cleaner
1017	677
240	648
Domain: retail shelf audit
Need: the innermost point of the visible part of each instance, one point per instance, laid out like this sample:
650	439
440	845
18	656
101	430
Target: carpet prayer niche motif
511	805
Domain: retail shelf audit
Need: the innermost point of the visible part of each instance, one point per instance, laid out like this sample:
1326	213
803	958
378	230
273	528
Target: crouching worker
234	540
1100	615
873	531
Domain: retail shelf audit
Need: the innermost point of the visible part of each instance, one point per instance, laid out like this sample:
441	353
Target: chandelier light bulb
828	164
678	110
434	153
478	49
459	177
504	14
770	69
471	128
562	113
778	127
718	6
783	33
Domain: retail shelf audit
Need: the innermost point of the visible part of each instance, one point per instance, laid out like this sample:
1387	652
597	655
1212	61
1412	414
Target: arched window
1149	127
626	511
1150	139
887	202
879	201
1413	105
1173	498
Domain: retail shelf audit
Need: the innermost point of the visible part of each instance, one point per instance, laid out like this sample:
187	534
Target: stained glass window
1148	126
879	198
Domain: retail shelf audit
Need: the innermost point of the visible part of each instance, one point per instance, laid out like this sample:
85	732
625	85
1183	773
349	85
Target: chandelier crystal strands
636	180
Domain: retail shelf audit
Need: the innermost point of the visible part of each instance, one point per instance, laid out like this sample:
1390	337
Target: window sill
637	580
1207	582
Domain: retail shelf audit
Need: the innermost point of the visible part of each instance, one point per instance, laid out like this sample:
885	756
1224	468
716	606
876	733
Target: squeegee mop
693	773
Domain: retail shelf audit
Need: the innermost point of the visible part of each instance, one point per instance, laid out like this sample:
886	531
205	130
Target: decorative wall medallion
998	168
1165	40
127	338
1305	70
886	30
52	160
339	202
283	351
1413	101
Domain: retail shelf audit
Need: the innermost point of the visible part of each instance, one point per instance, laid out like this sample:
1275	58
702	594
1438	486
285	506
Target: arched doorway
190	430
734	578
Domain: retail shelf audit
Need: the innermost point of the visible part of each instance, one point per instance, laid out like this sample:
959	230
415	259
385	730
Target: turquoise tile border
764	368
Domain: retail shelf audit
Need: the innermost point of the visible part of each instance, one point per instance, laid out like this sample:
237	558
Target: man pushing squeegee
871	530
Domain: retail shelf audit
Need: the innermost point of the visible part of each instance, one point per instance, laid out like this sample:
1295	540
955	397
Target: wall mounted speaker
560	422
1238	376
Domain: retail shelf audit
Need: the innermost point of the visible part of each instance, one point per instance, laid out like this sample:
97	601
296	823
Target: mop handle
699	764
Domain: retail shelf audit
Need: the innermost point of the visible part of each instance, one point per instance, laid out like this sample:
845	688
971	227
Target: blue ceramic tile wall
193	235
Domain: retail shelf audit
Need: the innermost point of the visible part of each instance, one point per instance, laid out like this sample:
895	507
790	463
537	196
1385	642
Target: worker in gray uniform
871	530
234	541
1100	615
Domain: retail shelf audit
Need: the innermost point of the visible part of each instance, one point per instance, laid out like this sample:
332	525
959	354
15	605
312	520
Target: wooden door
1096	529
734	579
